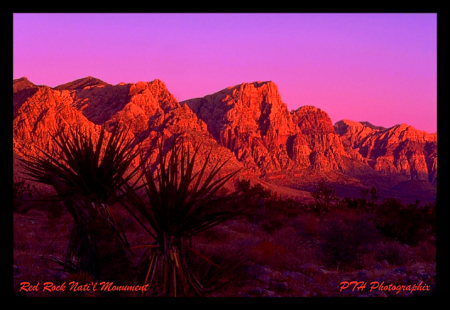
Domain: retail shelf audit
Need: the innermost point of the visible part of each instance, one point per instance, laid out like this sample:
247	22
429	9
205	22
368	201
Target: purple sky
380	68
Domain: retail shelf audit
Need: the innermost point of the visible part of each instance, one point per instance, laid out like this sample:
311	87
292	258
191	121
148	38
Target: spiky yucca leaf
179	203
87	174
86	167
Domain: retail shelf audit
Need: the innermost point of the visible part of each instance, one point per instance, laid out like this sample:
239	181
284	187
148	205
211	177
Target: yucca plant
87	176
179	202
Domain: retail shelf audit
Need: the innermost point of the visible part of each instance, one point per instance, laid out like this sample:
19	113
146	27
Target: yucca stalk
179	203
87	176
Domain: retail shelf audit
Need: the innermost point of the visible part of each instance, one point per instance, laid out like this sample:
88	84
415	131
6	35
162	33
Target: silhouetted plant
406	223
278	207
86	176
256	199
345	241
350	203
362	203
243	185
179	203
366	203
324	196
260	192
222	267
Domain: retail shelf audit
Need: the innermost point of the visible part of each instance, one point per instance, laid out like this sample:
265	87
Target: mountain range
286	151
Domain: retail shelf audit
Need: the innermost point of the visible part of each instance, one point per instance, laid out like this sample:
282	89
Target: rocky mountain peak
399	150
82	83
268	86
352	132
312	120
370	125
21	84
326	146
251	120
148	109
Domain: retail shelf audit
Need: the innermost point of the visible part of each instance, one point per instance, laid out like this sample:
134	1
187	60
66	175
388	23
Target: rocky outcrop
401	149
351	133
148	109
39	113
251	120
326	146
21	84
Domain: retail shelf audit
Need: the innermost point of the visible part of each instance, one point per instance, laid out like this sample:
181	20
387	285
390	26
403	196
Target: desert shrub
345	241
307	227
270	226
243	185
364	202
266	251
309	208
393	252
266	205
408	224
425	251
350	203
288	208
280	207
255	200
324	196
355	203
222	267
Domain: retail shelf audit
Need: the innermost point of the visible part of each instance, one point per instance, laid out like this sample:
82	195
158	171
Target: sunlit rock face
248	124
147	109
252	121
401	149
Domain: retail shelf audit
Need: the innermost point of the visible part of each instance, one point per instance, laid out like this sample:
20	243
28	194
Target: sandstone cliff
401	149
251	120
326	146
146	108
248	123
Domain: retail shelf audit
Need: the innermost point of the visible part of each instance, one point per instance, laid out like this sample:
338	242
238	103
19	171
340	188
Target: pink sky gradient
380	68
